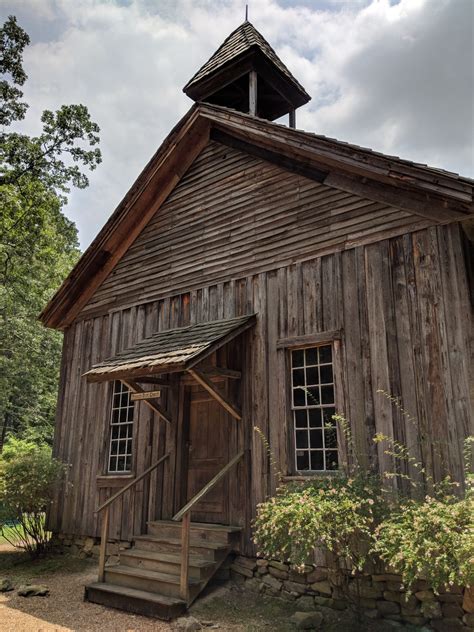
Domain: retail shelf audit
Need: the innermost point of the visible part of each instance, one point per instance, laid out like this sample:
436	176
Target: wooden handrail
105	519
207	488
136	480
184	514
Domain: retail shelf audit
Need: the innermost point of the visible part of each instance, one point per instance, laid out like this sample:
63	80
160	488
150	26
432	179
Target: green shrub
28	476
337	513
431	539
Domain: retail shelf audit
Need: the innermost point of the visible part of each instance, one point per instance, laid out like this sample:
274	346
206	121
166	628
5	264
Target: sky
393	75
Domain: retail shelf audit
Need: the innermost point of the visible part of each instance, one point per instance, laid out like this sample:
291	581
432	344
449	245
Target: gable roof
172	350
431	193
240	41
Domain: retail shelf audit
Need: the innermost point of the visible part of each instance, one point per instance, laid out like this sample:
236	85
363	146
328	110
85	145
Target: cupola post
253	93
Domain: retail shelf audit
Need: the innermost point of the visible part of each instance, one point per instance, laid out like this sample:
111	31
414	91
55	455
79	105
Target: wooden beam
153	380
204	381
253	93
221	372
136	388
311	339
285	162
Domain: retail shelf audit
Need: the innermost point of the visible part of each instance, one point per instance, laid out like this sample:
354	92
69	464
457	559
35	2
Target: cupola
247	75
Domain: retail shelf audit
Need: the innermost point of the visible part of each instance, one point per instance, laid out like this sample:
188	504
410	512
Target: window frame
287	345
130	437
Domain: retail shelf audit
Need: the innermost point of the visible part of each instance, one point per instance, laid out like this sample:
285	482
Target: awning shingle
171	350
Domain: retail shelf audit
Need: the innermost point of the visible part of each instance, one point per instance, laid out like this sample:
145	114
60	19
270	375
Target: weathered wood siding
402	305
233	215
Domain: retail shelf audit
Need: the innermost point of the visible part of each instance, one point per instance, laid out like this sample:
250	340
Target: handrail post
184	579
103	543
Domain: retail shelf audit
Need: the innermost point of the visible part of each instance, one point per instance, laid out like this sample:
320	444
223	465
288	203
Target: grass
18	565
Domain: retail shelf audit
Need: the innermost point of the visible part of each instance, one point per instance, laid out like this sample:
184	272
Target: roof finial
246	12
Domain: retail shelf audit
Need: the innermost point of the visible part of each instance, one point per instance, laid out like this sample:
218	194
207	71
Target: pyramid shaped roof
240	41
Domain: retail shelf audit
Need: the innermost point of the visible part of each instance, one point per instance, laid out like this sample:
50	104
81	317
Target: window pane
312	375
316	438
298	377
327	395
330	438
297	357
312	396
331	460
328	414
325	354
317	460
302	461
301	419
301	439
315	420
326	374
311	356
298	397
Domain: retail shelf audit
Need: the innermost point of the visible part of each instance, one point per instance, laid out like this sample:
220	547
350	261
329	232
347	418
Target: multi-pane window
121	430
313	405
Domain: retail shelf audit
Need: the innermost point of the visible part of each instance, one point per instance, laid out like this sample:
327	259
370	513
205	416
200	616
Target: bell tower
246	74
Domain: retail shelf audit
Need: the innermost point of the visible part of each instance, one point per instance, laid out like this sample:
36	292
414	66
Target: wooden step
138	601
149	581
170	563
199	531
207	550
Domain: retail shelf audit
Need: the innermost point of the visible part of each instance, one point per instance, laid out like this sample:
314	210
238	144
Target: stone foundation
85	546
378	596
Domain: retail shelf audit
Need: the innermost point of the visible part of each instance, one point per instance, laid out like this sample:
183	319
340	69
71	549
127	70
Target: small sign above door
135	397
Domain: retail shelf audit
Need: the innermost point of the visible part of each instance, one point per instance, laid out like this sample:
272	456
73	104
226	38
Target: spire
246	74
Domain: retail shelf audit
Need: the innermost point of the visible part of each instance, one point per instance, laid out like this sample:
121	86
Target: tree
38	244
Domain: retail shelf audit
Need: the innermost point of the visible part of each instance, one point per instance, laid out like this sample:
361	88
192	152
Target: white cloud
394	76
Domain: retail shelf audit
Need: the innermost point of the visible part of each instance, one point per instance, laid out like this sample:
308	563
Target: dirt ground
228	608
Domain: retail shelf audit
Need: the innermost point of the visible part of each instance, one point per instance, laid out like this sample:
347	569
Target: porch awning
170	351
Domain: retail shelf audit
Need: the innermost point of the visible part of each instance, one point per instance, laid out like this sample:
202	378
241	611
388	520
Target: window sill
311	475
114	480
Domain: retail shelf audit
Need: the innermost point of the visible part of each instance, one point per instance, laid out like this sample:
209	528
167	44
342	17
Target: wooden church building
254	276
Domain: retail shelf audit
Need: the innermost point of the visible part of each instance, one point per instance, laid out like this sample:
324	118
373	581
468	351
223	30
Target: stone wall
85	546
379	596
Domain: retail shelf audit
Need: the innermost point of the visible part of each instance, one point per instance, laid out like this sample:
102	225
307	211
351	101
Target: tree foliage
28	477
38	244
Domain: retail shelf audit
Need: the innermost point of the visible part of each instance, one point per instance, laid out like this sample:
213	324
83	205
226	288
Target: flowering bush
338	514
431	539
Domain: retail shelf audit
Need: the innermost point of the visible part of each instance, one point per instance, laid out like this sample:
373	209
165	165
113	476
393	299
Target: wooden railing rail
106	507
184	514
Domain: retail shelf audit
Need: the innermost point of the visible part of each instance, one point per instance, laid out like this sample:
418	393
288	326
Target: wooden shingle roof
171	350
240	41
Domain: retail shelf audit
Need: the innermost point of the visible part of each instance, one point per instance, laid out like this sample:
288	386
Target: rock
425	595
187	624
362	589
306	603
336	578
251	584
5	585
447	625
299	578
323	587
386	578
112	560
388	607
89	544
413	619
452	610
390	595
33	590
431	609
395	586
393	623
326	602
277	573
448	598
468	619
262	563
272	582
278	565
307	620
246	562
299	589
367	603
262	570
241	570
317	575
468	600
371	614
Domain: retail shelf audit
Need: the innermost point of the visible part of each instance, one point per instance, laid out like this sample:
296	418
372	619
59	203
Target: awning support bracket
204	381
136	388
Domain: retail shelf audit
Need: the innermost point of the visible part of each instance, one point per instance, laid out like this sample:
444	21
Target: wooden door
207	445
